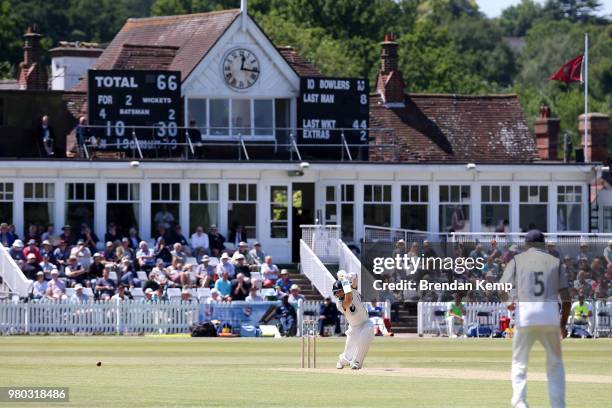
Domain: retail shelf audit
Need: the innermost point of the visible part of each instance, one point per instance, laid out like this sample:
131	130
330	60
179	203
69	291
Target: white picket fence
430	322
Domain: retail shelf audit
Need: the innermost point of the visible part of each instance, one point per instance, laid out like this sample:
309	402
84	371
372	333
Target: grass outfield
399	372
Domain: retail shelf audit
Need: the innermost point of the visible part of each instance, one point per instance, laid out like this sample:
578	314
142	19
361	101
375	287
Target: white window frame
549	220
71	185
501	201
419	200
577	191
237	200
469	226
8	197
199	200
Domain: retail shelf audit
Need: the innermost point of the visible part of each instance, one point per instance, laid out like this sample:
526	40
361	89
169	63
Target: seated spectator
206	274
216	241
154	282
254	295
146	257
284	283
582	284
328	316
96	268
89	237
79	296
581	312
127	250
240	288
68	236
241	266
287	317
162	251
133	238
243	249
32	235
109	252
159	268
174	274
597	268
455	316
294	294
495	251
56	285
583	254
50	235
269	272
30	268
127	276
82	254
179	256
6	237
16	252
199	242
47	266
149	296
32	248
491	267
214	297
186	296
226	266
185	276
61	254
257	255
121	295
76	272
176	236
39	287
224	286
47	249
112	234
105	286
477	252
237	234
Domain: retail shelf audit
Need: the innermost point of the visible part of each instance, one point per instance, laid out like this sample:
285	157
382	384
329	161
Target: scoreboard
122	102
330	107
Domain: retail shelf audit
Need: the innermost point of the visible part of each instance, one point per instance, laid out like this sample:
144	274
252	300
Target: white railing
314	270
429	323
322	240
12	275
348	261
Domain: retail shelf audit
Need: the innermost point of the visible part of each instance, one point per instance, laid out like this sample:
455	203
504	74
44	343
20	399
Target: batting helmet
337	287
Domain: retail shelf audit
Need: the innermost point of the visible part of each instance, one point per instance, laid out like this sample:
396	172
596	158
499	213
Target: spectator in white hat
294	294
16	252
47	266
56	284
206	273
82	254
79	296
226	266
39	287
30	268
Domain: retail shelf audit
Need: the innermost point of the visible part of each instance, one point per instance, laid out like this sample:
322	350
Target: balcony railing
157	142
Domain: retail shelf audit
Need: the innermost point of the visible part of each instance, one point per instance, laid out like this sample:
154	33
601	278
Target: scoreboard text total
145	104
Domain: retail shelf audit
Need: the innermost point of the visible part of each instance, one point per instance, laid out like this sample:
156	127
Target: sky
493	8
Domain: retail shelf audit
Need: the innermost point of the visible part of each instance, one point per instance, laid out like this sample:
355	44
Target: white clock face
240	69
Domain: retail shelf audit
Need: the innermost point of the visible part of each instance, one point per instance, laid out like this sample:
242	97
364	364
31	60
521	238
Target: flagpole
587	150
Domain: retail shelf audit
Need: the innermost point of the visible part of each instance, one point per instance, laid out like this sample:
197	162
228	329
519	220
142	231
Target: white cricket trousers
358	341
524	338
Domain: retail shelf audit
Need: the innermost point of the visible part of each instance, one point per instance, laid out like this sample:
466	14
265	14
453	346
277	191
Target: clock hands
250	70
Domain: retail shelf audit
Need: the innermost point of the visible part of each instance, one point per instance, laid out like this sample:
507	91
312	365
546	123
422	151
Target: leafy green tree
516	20
170	7
10	38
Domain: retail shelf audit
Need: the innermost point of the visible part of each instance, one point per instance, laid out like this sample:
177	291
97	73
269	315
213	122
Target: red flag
571	71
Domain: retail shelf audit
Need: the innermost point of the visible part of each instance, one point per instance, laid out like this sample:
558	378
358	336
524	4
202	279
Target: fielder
361	330
539	282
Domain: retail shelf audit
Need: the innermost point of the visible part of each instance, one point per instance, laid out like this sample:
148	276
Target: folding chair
142	275
202	293
603	324
137	293
484	319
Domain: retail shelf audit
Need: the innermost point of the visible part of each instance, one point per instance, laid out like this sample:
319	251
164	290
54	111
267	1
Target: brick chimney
547	132
32	75
389	83
598	125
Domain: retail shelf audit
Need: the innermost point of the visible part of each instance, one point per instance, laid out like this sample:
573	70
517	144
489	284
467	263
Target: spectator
178	254
582	284
32	249
6	237
581	312
177	236
240	288
31	267
16	252
47	266
47	249
226	266
49	235
284	283
121	295
146	257
154	281
128	252
112	234
76	272
162	251
148	296
105	286
164	217
237	234
294	294
224	286
89	237
32	235
214	297
97	267
257	255
79	296
47	136
596	269
68	236
82	254
491	268
206	274
159	268
128	277
287	317
495	251
607	253
199	242
455	316
216	241
133	238
583	254
254	295
242	249
478	252
61	254
39	287
328	316
551	248
185	276
269	272
242	267
56	285
186	296
509	254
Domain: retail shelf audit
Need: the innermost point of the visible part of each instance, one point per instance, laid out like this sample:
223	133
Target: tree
515	21
572	10
10	38
170	7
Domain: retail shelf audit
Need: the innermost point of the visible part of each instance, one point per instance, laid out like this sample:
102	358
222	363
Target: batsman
361	330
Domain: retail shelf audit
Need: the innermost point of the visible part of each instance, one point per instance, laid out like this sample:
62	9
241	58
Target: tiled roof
444	127
145	57
300	65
